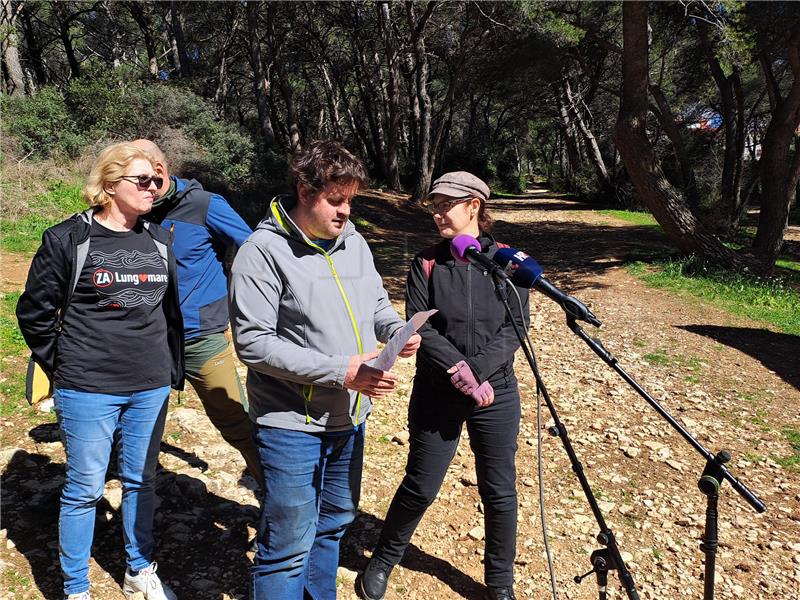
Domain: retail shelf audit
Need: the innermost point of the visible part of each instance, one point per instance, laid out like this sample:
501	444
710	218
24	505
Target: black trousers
436	417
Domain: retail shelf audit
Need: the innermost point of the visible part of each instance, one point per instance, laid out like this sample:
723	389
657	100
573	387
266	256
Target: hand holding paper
411	347
368	380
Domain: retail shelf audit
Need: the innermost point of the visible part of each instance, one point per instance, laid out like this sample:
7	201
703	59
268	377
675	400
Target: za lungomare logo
103	278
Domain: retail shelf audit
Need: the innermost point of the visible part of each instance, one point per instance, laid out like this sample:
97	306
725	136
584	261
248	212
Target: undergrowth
773	300
23	232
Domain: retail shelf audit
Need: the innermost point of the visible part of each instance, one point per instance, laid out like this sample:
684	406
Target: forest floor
733	384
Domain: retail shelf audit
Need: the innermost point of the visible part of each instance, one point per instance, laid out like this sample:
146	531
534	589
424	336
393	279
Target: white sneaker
146	583
81	596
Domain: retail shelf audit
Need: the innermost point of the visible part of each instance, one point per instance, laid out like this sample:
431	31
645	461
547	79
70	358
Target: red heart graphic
142	277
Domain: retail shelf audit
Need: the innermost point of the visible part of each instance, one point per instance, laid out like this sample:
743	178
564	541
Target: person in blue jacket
203	226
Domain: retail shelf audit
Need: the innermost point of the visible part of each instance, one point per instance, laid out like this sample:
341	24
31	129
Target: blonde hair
110	165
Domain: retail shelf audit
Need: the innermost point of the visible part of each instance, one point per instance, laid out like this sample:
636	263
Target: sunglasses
144	181
443	207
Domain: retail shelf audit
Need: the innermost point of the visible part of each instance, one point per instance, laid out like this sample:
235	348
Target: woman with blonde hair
100	314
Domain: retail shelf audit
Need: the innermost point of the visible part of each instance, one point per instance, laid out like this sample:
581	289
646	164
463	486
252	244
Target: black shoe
374	580
501	593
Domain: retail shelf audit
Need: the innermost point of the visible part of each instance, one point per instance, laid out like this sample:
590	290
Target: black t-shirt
114	333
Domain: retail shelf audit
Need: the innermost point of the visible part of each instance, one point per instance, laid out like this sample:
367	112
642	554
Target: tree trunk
592	148
747	191
33	46
423	171
13	67
337	88
371	106
731	164
291	110
412	100
630	136
393	98
64	20
741	136
779	164
141	15
221	93
179	40
285	86
113	34
667	120
333	100
261	85
570	144
172	42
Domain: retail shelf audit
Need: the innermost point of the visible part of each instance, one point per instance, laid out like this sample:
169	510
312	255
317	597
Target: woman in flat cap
465	375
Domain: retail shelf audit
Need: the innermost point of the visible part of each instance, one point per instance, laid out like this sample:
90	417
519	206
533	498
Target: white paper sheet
388	355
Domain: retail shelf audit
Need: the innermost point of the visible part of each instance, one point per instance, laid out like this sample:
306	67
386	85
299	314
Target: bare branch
490	19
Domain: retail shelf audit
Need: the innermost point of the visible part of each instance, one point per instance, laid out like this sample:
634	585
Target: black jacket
471	324
49	288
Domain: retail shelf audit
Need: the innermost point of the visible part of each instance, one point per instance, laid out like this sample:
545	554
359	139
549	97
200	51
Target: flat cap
460	184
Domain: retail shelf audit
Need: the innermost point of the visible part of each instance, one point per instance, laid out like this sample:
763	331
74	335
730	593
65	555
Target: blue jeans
88	421
312	485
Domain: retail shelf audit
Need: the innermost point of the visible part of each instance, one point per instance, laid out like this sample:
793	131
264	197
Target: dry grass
22	180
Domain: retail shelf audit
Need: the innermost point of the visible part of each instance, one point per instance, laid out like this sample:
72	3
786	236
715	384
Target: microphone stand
714	473
609	557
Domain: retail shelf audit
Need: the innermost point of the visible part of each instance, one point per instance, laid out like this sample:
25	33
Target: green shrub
43	124
115	104
104	102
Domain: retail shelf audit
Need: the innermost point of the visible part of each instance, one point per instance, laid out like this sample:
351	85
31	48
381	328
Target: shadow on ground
778	352
201	538
364	533
572	254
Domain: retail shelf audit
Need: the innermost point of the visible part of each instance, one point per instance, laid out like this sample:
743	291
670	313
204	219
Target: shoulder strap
161	247
427	266
81	253
428	257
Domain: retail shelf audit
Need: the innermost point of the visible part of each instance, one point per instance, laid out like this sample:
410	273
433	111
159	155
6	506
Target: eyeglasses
443	207
144	181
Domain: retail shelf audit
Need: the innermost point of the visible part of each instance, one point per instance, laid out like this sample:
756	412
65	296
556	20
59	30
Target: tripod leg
710	487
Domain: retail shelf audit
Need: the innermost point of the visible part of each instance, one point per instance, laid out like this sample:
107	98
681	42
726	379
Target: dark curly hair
321	161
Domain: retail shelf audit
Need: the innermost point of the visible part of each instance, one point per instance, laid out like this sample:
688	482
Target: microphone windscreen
460	244
523	270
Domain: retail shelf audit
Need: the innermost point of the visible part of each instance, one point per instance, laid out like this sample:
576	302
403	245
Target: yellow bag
38	384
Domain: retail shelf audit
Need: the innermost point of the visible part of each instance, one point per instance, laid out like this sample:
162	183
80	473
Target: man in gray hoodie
307	309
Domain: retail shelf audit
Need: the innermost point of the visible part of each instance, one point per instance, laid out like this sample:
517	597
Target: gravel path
733	383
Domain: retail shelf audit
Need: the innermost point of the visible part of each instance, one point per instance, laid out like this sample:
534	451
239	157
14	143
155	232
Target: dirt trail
732	382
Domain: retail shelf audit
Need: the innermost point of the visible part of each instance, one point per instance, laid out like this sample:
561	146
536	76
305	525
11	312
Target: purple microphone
460	244
466	249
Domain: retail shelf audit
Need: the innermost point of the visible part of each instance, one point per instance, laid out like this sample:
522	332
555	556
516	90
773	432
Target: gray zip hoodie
298	313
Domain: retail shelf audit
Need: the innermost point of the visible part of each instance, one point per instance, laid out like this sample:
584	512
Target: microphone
526	272
466	249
